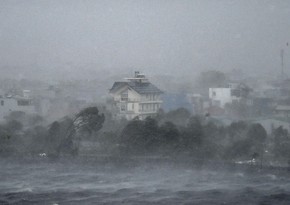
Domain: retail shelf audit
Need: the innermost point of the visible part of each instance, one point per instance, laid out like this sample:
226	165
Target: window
132	106
23	102
2	102
124	96
123	107
235	92
213	93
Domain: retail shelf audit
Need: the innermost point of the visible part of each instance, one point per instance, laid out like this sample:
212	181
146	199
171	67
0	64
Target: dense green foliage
28	134
204	139
172	134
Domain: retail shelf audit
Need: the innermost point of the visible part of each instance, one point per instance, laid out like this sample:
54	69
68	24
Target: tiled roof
141	88
117	86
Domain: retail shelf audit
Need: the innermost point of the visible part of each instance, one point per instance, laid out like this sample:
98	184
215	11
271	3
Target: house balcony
144	101
127	112
147	111
151	101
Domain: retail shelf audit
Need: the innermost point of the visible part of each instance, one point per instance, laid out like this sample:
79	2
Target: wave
97	183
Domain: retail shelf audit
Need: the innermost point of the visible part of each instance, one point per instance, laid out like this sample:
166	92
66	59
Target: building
9	103
135	97
283	111
54	103
233	92
220	96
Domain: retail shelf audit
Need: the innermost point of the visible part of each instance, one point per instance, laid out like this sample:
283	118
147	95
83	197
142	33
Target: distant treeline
173	134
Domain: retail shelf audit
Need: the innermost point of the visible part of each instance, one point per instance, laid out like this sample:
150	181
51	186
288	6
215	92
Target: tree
151	134
195	127
6	142
170	133
238	109
13	126
132	137
89	121
240	149
257	133
281	143
16	115
86	122
192	136
140	137
211	79
257	136
237	130
179	116
53	139
34	139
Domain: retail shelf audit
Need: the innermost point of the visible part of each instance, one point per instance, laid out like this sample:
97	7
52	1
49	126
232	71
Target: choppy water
74	182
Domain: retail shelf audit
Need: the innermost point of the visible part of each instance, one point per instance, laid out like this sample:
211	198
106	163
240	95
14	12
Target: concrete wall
135	105
221	95
8	105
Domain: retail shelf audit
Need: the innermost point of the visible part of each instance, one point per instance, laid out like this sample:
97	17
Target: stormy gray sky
153	36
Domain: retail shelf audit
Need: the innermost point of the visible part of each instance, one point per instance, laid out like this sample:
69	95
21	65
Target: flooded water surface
75	182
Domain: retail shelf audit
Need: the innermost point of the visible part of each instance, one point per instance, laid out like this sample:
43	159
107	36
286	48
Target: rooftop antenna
139	77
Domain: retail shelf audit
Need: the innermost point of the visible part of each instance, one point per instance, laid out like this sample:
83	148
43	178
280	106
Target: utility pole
282	63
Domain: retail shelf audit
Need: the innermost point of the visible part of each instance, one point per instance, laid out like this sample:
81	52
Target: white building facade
15	103
221	96
136	97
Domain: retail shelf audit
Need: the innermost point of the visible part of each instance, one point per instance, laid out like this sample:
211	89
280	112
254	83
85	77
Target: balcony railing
150	101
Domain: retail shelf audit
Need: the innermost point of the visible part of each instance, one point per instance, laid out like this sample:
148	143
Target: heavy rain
144	102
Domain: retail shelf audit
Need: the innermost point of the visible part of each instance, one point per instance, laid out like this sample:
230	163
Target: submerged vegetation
172	134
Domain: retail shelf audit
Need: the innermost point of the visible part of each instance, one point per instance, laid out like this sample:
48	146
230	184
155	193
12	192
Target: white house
220	96
135	97
9	104
233	92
